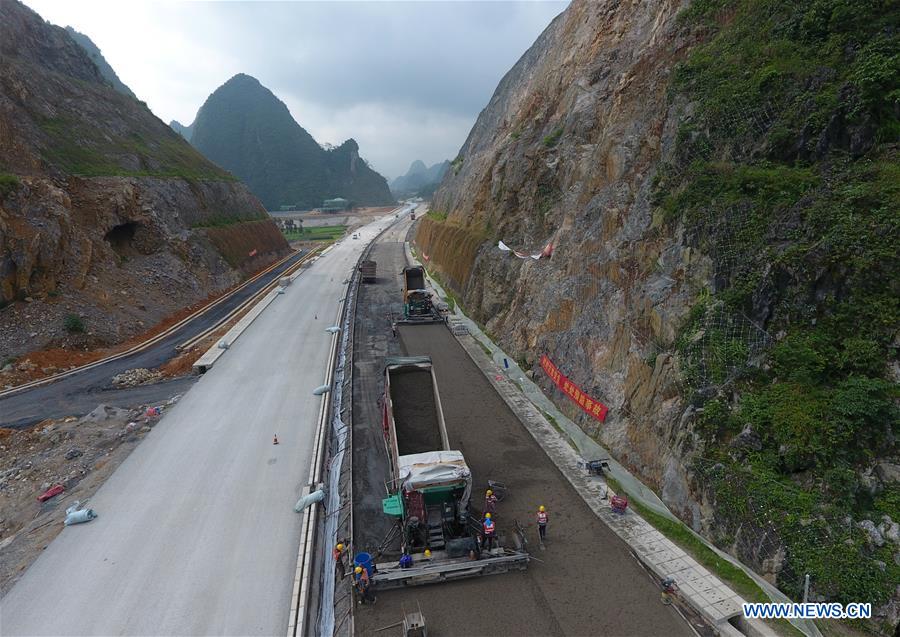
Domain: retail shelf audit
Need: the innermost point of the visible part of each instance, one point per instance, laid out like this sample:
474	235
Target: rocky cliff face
564	153
245	128
102	65
697	170
105	213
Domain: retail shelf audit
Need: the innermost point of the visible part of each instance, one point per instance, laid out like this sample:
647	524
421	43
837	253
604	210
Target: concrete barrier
205	362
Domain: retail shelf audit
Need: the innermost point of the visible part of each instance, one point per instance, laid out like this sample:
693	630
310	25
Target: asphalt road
197	533
585	583
79	393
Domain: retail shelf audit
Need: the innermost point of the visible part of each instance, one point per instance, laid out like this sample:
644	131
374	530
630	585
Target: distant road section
197	534
80	393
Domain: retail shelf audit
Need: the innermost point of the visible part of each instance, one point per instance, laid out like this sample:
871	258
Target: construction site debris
308	500
74	515
135	377
73	453
51	492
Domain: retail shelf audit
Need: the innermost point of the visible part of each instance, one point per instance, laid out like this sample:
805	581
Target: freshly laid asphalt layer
586	582
79	393
196	533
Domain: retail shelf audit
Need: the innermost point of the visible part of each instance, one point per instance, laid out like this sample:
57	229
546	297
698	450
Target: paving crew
363	585
542	518
490	502
338	554
489	531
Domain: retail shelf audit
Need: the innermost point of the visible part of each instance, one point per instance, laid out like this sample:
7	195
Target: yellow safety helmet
487	516
542	509
427	552
340	547
489	492
358	570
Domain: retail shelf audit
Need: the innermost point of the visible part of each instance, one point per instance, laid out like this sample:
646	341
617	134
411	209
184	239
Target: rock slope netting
109	221
245	128
719	183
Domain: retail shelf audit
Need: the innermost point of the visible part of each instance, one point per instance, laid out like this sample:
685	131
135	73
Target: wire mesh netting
724	344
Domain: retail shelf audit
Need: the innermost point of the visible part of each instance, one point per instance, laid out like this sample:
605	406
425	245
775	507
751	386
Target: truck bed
415	412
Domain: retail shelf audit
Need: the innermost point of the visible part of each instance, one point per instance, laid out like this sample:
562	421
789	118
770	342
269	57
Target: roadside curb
313	531
702	590
209	358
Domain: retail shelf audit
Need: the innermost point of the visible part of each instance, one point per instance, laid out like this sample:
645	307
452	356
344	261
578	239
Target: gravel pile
135	377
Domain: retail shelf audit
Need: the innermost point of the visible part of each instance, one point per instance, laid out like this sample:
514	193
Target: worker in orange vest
363	585
542	518
489	531
338	553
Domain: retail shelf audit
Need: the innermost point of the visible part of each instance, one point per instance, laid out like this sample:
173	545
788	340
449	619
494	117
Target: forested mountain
243	127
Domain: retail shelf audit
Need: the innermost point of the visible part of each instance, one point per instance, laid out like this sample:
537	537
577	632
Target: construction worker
542	518
489	531
338	554
363	585
490	502
427	557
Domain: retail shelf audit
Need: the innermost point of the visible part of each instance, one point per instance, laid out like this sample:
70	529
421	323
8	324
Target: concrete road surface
197	533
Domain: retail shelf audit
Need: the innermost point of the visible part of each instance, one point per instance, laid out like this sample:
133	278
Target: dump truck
417	304
367	270
430	485
433	484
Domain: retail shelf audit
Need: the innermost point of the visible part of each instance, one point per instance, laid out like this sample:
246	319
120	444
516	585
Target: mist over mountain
181	129
420	179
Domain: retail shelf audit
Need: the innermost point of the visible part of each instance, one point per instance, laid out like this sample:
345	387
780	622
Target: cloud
405	79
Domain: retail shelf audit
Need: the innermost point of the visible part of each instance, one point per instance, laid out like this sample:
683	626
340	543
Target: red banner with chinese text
589	405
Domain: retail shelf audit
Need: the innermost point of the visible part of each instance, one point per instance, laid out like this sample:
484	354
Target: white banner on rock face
546	253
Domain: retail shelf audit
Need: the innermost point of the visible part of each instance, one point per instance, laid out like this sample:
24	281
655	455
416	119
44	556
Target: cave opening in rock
121	237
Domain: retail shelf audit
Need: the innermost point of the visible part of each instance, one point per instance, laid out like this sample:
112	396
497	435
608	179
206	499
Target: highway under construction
584	581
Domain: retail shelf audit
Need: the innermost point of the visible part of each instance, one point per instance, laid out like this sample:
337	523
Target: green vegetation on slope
222	221
8	184
787	175
82	149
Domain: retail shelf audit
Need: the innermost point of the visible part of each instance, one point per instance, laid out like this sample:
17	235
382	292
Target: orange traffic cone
275	440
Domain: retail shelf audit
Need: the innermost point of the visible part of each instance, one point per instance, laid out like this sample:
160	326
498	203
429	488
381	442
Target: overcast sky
405	79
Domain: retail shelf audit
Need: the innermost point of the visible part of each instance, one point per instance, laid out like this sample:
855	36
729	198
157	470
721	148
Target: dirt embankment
248	245
451	248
